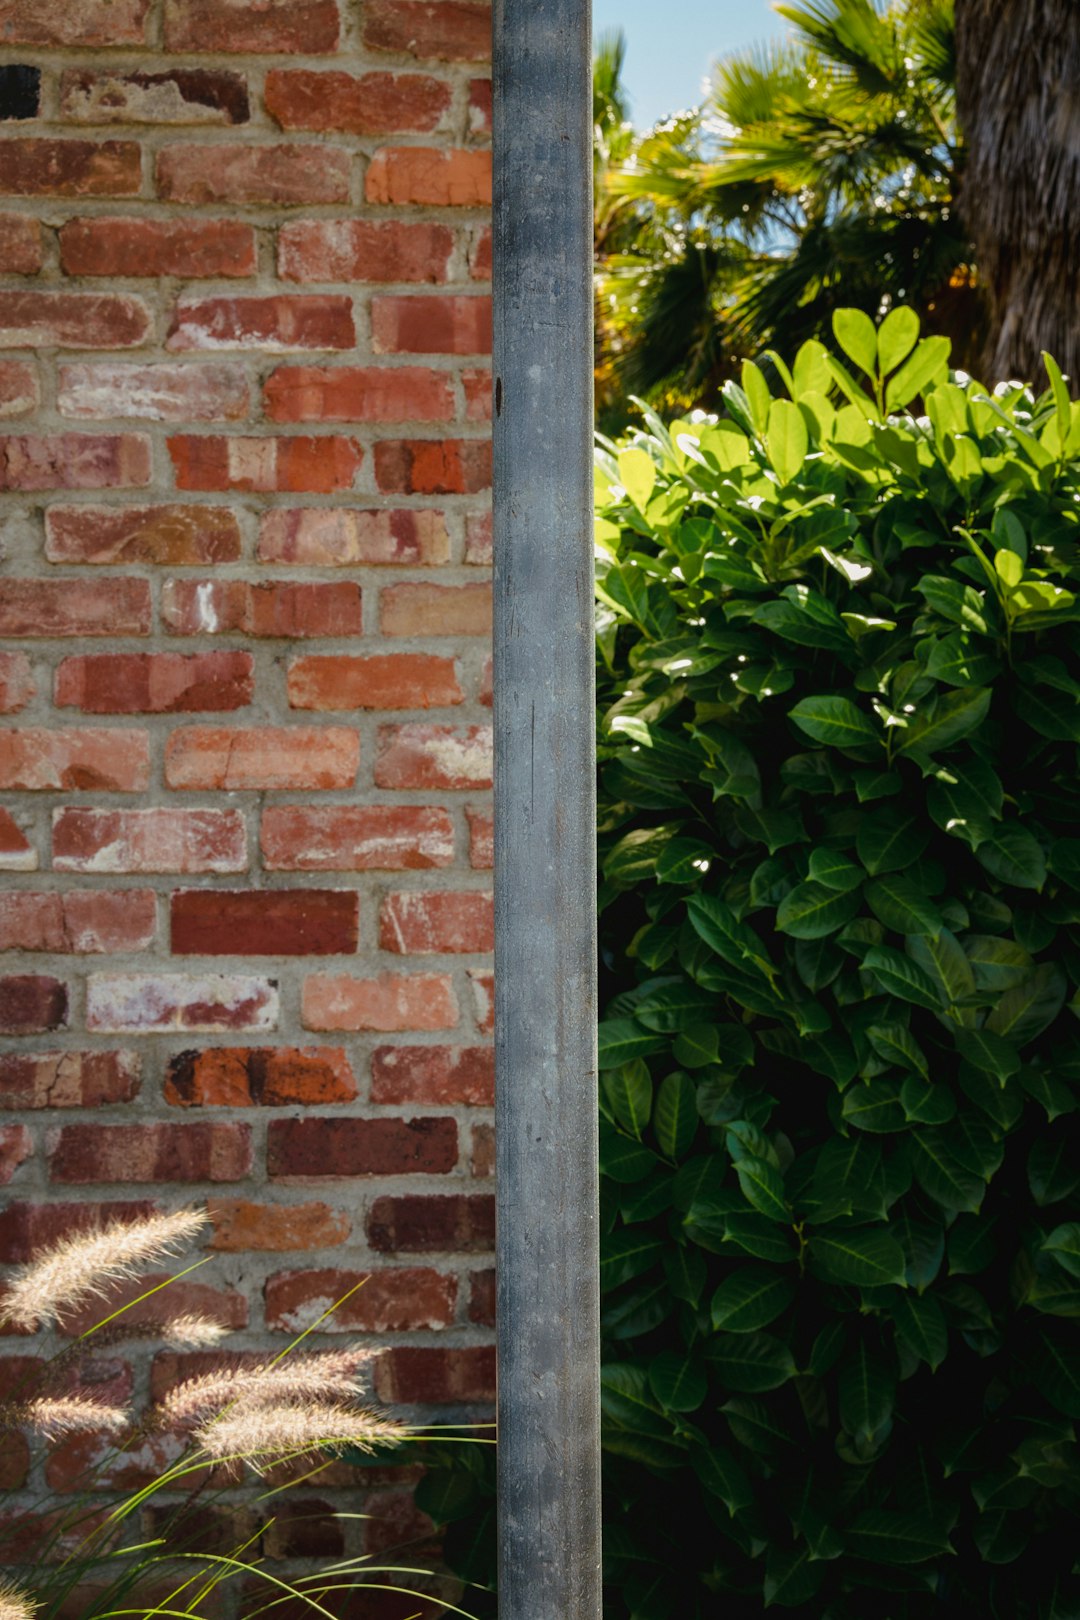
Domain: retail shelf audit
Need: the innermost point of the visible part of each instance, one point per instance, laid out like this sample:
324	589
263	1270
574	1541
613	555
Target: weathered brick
437	1374
435	610
262	758
359	394
418	755
68	1080
14	1462
481	839
421	924
389	1002
42	320
80	922
176	96
433	466
226	1306
265	922
149	840
275	609
482	1298
58	22
27	1228
79	760
259	1076
364	104
193	248
16	1143
74	607
418	1223
244	1227
208	1003
155	683
285	175
308	26
17	853
478	401
382	1301
364	250
382	681
429	175
19	390
158	393
303	1527
181	536
446	30
482	1153
75	461
275	324
482	983
32	1004
85	1154
478	539
20	245
17	685
479	106
356	838
480	254
316	1148
45	167
419	323
319	466
327	538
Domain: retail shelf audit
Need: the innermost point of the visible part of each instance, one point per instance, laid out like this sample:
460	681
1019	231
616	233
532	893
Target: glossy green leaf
920	1327
628	1093
1014	856
899	903
675	1117
812	911
787	438
836	721
750	1363
857	336
749	1300
889	839
864	1257
677	1381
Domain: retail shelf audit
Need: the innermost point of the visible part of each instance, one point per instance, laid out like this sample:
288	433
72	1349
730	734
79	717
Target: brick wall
245	746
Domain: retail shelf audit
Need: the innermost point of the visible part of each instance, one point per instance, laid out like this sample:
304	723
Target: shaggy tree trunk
1018	103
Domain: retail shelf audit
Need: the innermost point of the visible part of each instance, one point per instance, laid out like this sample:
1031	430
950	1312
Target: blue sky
670	45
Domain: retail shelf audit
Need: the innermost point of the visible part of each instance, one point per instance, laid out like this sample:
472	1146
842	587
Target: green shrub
840	841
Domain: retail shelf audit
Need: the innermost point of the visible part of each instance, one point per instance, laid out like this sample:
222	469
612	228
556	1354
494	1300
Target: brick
178	96
320	466
384	681
17	685
478	539
80	760
303	1528
156	393
482	982
435	610
150	840
364	250
429	175
437	1374
482	1156
225	1306
19	391
262	758
389	1002
194	248
133	1154
58	22
275	324
433	466
17	854
144	1002
481	839
81	922
273	609
75	461
439	1076
14	1462
16	1146
477	386
396	1300
37	320
482	1298
68	1080
259	1076
364	104
447	30
32	1004
394	1522
443	921
417	755
422	1224
155	683
480	252
286	175
308	26
265	922
361	1147
74	607
44	167
244	1227
479	106
27	1228
419	323
356	838
180	536
326	538
359	394
20	245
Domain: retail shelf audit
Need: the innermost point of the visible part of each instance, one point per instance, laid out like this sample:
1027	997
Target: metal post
545	904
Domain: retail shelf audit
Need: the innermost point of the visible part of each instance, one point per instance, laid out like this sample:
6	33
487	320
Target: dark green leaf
836	721
750	1363
865	1257
749	1300
920	1326
898	903
677	1381
675	1118
890	839
1012	855
812	911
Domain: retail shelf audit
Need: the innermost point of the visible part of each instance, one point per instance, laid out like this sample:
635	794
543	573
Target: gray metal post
545	914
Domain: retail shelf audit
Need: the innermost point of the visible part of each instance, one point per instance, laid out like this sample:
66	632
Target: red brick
356	838
16	1143
31	1004
265	922
275	324
82	922
303	1528
156	393
436	1374
37	320
415	924
479	106
285	175
157	247
220	607
262	758
58	22
421	1224
75	461
478	539
243	1227
149	841
68	1080
417	755
482	981
181	1298
155	683
447	30
477	386
17	684
74	607
359	394
43	167
481	839
20	245
17	854
418	323
361	1147
27	1228
308	26
209	1002
14	1461
433	466
177	96
482	1298
394	1521
181	536
19	391
429	175
264	1076
486	693
320	466
482	1157
327	538
435	610
384	681
480	255
434	1076
364	250
383	1301
79	760
368	104
390	1002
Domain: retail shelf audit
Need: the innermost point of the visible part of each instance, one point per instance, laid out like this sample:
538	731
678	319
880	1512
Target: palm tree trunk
1018	103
